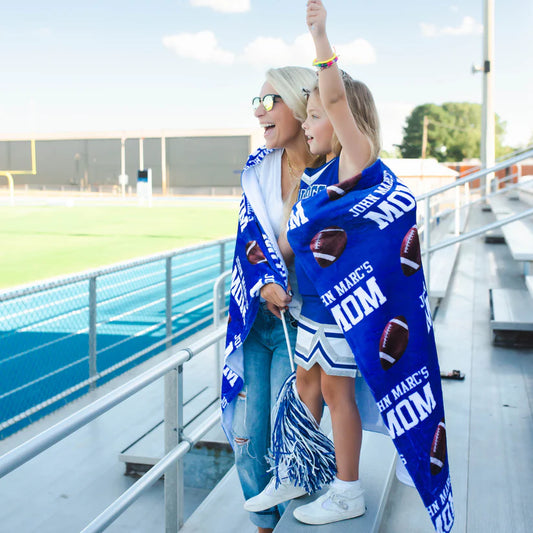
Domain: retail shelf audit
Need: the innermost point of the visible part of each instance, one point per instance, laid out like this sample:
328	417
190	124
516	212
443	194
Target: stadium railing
63	337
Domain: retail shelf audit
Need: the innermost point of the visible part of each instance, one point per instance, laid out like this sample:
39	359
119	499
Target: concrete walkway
488	415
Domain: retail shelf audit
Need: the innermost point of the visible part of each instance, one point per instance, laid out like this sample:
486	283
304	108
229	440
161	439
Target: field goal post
10	173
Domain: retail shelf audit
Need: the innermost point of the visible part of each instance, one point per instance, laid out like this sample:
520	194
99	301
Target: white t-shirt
269	178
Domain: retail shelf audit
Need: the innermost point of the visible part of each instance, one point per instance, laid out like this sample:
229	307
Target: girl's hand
316	18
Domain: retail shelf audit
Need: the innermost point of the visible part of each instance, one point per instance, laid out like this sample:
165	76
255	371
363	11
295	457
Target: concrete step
441	269
529	284
148	448
377	469
518	235
222	511
511	309
442	261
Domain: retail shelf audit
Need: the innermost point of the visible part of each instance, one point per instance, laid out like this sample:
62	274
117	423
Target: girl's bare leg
339	394
309	389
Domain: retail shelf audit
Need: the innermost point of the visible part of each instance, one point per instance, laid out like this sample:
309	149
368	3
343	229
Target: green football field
40	242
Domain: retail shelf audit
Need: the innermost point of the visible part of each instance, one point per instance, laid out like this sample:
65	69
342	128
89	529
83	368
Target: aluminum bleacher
512	309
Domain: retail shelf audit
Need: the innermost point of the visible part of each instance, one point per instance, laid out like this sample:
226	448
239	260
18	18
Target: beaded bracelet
321	65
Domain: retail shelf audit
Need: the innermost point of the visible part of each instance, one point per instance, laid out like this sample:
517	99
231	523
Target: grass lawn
42	242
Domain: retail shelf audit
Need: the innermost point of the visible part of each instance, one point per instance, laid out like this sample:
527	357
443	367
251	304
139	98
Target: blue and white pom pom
299	449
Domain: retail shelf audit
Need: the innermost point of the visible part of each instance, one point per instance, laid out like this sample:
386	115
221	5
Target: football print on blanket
437	455
254	253
328	244
340	189
410	252
393	341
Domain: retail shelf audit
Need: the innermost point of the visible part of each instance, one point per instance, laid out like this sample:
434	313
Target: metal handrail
500	158
176	446
108	516
217	309
89	303
29	449
455	185
497	192
476	175
502	191
480	231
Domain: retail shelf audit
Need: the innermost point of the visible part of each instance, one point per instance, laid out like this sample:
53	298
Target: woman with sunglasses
257	361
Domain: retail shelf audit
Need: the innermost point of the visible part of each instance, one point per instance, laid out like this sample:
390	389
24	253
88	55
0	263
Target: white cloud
264	52
428	30
358	52
201	46
274	52
43	32
468	26
224	6
270	51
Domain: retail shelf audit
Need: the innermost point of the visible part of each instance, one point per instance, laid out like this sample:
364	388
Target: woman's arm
285	248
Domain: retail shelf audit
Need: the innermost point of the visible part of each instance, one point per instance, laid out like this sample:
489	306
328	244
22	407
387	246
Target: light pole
488	130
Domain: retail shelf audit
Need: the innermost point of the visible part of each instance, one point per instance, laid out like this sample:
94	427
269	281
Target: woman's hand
276	297
316	18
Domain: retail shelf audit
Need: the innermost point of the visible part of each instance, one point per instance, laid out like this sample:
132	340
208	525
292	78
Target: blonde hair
364	111
291	84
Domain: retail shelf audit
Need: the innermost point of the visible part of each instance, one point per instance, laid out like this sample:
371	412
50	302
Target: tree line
447	132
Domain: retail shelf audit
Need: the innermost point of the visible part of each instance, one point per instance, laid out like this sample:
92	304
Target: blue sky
111	65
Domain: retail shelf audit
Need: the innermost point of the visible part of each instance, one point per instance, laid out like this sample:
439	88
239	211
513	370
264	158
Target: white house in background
421	175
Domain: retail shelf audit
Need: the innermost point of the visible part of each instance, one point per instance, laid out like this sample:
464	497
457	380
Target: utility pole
424	136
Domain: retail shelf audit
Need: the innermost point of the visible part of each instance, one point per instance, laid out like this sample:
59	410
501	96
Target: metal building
193	162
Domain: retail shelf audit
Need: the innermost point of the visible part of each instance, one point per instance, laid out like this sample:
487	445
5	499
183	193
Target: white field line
103	289
41	378
86	329
105	302
46	403
138	334
84	383
155	326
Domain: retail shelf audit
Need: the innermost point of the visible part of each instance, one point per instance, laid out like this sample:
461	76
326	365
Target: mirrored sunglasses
268	101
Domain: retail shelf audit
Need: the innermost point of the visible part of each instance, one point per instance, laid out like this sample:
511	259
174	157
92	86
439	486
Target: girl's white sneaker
333	506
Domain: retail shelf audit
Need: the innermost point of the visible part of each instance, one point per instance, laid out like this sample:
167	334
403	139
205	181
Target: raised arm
356	150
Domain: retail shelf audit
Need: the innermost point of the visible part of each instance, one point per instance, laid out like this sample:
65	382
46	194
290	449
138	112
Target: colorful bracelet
327	63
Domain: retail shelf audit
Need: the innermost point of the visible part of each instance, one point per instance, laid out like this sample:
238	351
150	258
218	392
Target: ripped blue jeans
266	366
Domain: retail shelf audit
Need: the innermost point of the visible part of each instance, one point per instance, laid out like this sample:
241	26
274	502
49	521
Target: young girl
342	124
353	241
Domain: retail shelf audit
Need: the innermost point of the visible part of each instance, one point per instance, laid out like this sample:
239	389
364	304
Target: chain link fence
64	337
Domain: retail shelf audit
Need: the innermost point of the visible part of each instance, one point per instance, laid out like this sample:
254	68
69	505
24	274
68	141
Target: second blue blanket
358	242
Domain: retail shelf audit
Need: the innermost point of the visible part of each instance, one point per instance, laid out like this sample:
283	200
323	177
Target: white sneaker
333	506
271	496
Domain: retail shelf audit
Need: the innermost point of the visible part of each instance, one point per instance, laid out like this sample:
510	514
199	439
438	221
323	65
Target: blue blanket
256	262
358	241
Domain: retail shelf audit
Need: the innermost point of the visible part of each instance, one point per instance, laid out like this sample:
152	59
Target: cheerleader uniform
319	338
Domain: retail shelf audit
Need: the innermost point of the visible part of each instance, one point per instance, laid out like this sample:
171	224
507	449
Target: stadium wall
195	163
